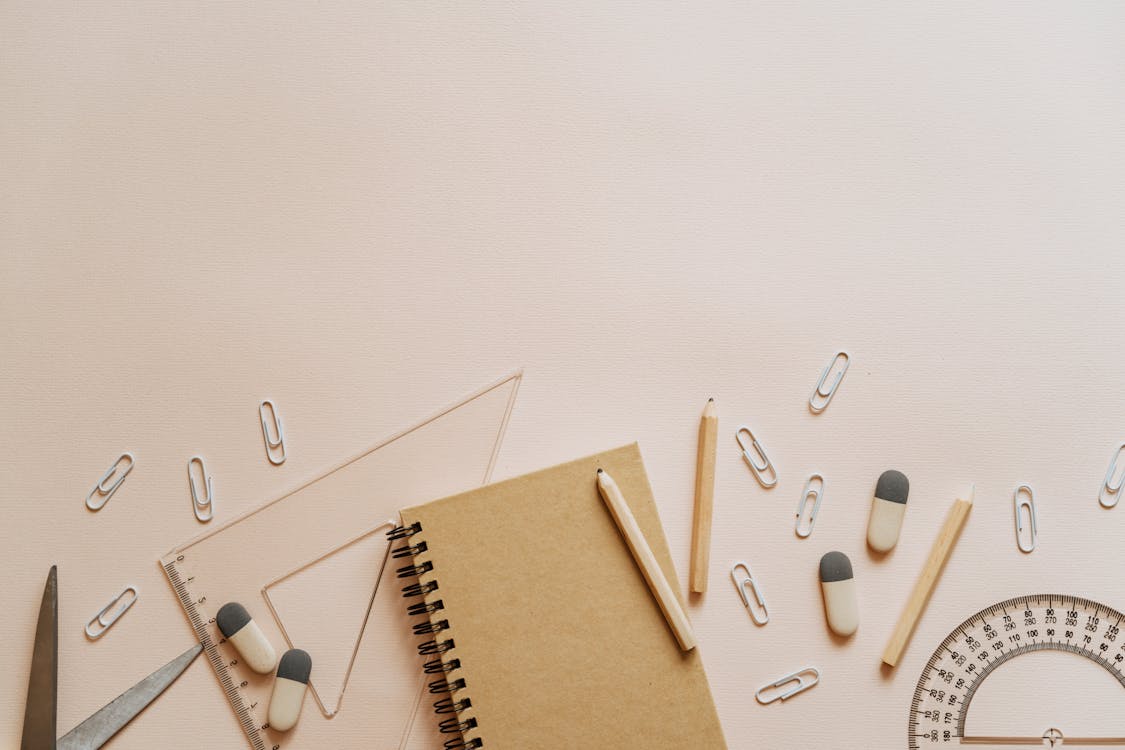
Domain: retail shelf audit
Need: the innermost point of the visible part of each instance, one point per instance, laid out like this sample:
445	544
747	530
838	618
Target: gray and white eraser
835	566
892	485
239	628
289	689
231	618
837	585
295	665
888	507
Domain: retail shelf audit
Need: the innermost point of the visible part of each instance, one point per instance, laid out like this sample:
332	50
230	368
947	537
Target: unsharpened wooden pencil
704	497
642	553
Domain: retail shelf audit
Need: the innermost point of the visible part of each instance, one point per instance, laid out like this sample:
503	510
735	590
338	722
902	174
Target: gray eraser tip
893	486
295	665
232	617
835	566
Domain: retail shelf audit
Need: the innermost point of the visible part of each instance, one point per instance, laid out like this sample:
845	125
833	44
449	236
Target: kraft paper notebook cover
531	607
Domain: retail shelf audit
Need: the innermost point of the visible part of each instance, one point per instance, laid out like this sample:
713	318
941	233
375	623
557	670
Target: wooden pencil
704	497
642	553
920	596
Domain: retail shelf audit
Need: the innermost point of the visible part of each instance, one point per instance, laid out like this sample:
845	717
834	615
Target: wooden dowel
642	553
920	596
704	497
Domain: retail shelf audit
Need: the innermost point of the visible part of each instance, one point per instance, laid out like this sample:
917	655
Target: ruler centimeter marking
232	689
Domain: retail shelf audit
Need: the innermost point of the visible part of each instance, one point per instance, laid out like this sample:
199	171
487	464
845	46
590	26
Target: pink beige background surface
366	211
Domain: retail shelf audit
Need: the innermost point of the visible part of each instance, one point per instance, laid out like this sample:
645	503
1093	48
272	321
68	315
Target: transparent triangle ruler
312	568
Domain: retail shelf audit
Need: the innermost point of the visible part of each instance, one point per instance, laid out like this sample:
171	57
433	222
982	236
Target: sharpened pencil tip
601	471
711	400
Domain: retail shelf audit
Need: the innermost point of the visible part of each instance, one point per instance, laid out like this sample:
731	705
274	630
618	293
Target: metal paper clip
748	582
271	444
1109	487
759	470
813	492
105	493
99	623
820	398
1024	497
202	508
798	677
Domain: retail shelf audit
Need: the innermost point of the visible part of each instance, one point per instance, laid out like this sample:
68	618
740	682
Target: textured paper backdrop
364	211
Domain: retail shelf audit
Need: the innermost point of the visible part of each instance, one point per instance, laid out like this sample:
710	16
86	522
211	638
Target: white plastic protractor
1024	672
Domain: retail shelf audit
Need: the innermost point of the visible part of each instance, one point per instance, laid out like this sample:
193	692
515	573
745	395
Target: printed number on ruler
248	692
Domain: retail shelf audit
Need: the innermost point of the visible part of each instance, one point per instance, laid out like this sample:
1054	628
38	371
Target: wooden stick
642	553
920	596
704	497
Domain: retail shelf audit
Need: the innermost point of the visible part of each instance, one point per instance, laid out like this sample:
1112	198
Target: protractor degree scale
1050	668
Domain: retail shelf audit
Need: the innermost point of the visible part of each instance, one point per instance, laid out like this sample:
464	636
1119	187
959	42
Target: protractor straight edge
999	634
233	689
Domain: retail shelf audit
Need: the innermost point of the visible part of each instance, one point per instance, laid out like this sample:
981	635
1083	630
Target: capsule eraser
888	507
289	689
238	627
837	584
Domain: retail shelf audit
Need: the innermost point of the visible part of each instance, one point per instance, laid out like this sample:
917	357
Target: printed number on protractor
248	693
1045	670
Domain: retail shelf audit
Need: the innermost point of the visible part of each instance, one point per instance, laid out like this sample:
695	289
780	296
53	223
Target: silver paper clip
759	470
204	512
272	445
105	493
820	398
1024	497
817	493
803	684
1111	489
100	623
747	582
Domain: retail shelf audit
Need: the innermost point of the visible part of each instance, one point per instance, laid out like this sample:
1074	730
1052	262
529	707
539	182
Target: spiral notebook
538	628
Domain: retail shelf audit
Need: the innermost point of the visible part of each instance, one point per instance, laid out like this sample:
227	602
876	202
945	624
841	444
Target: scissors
42	688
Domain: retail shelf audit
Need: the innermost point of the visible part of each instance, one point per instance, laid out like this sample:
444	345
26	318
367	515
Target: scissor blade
99	728
42	685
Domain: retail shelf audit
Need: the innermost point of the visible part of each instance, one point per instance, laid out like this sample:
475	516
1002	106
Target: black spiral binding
436	647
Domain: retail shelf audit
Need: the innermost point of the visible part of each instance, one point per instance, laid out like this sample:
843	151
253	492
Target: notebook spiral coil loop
402	532
419	589
450	706
410	550
415	570
454	725
445	686
458	724
425	608
437	666
429	628
429	648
